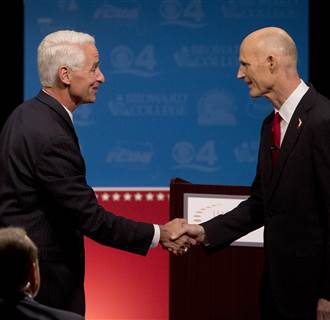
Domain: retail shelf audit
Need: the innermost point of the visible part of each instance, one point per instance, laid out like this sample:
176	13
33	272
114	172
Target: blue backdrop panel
171	104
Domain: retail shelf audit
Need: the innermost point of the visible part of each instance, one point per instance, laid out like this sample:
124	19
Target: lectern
223	284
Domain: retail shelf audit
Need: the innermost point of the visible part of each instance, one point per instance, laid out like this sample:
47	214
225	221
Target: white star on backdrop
149	196
160	196
105	196
138	196
127	196
116	196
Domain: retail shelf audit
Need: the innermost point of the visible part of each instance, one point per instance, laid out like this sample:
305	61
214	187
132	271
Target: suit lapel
266	151
296	126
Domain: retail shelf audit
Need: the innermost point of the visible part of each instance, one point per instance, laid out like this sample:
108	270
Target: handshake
177	236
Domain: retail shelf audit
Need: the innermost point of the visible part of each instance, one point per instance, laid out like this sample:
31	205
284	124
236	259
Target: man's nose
240	74
100	76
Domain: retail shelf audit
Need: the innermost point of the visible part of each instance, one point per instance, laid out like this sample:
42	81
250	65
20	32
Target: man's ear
64	75
271	63
34	279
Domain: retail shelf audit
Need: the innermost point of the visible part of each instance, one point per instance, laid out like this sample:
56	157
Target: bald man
290	195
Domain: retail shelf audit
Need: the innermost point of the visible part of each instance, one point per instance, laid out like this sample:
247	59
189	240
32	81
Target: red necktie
276	133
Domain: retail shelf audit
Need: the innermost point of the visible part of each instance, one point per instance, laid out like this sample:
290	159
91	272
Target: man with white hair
43	186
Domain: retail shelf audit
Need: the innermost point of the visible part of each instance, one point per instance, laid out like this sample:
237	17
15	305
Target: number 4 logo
146	58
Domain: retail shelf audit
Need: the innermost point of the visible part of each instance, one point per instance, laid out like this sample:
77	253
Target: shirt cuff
155	239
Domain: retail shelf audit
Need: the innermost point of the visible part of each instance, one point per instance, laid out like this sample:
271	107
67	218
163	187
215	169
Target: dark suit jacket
294	206
25	308
44	190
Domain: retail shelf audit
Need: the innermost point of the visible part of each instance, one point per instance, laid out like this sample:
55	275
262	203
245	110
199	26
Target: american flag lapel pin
299	123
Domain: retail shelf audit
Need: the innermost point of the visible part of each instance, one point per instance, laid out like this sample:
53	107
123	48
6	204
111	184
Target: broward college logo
202	55
242	9
109	11
137	104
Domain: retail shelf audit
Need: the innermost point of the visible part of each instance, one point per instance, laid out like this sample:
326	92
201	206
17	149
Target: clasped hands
177	236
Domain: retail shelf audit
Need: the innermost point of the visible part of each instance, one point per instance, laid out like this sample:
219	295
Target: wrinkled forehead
251	48
91	54
90	50
245	51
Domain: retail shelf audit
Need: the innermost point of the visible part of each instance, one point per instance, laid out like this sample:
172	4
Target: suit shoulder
32	108
35	117
319	120
321	110
319	104
49	312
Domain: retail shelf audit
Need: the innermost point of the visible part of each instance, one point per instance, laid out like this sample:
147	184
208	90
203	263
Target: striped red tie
276	133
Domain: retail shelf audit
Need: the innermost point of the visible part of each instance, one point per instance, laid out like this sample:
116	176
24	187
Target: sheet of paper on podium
199	208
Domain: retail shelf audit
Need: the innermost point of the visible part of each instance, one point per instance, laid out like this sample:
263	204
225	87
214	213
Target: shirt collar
67	110
289	106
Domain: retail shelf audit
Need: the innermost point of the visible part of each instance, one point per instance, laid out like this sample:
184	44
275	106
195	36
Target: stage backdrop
171	106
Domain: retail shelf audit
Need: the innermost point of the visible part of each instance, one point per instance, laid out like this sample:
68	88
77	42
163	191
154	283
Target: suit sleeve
60	170
248	216
321	159
222	230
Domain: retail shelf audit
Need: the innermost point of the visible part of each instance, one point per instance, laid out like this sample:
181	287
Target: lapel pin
299	123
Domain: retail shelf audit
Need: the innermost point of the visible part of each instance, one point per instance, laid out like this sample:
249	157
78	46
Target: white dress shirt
289	106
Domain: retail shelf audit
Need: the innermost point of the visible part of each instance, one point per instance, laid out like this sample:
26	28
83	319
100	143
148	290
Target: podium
221	285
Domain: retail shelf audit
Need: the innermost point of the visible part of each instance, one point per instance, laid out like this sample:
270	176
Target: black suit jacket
293	204
43	189
25	308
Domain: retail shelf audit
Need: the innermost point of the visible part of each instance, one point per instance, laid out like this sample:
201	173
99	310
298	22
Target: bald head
268	64
272	41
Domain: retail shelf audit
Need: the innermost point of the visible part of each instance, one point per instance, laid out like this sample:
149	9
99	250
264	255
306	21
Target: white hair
60	48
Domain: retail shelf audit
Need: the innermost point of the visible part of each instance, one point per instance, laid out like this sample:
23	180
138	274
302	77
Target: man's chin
90	100
254	94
